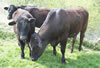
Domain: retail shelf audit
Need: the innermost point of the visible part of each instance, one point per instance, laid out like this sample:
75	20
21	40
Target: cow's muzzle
23	38
9	17
34	59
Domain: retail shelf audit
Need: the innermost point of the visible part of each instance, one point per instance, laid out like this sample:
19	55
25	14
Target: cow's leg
81	40
82	34
73	41
63	47
54	50
22	45
29	50
19	43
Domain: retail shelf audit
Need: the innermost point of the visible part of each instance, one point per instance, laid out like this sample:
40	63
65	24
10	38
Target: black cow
11	9
24	26
58	26
39	13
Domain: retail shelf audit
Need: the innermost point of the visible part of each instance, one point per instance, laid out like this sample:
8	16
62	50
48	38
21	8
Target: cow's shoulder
52	14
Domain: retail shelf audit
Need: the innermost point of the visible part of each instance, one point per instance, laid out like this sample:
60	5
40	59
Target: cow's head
11	9
25	27
36	47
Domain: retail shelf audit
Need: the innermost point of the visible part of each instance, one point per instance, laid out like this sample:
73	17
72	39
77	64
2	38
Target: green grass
6	35
89	57
10	57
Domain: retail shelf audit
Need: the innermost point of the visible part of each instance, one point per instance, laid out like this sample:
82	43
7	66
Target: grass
89	57
6	35
10	57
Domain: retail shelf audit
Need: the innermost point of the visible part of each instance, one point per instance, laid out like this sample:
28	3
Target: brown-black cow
39	13
24	26
58	26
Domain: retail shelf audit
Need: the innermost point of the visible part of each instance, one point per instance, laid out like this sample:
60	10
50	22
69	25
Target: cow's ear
6	8
12	23
31	20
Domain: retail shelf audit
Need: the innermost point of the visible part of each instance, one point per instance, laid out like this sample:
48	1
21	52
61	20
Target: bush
91	45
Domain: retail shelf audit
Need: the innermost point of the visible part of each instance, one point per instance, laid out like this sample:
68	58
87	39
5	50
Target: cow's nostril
9	17
23	37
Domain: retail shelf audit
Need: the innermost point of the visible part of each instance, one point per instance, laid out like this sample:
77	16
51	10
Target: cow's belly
73	34
74	31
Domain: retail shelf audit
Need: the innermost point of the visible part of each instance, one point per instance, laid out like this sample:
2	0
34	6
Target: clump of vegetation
92	45
6	35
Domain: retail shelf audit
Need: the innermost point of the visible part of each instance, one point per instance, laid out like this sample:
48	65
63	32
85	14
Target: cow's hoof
63	62
54	55
71	52
34	59
22	58
80	49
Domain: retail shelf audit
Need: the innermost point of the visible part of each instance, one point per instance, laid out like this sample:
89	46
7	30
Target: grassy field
10	57
89	57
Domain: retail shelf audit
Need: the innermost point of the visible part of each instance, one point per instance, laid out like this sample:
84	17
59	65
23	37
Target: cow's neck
44	40
44	43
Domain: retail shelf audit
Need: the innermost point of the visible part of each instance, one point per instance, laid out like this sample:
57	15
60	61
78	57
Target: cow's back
55	25
63	21
19	13
39	13
77	17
